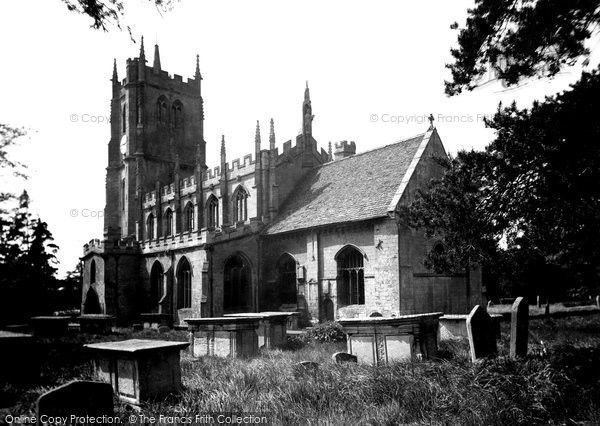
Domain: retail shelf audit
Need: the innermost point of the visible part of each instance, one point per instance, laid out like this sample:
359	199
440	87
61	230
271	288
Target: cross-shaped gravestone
480	330
519	327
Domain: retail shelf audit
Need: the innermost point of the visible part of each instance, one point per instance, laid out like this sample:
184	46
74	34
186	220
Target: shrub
326	332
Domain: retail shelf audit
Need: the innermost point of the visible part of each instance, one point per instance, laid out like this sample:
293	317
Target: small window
150	227
240	206
177	113
93	272
168	223
188	215
123	194
212	207
124	118
162	110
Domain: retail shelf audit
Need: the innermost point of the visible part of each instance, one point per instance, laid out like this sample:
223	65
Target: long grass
558	383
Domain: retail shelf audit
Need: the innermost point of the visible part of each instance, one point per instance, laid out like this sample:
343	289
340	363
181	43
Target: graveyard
557	381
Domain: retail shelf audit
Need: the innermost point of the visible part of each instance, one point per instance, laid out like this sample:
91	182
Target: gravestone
306	367
343	357
539	301
78	398
519	327
482	337
598	302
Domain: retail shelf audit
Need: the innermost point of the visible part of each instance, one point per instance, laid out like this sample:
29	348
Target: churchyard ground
558	382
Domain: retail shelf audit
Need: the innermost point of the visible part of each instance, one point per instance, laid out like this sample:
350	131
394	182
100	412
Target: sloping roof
355	188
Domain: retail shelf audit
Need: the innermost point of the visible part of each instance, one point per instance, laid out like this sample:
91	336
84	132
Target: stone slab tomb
96	323
154	320
79	399
138	369
380	340
50	326
454	326
223	336
481	333
272	327
519	328
20	359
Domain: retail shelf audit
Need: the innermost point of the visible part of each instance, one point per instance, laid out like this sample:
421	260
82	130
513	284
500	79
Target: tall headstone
480	330
519	327
598	302
539	301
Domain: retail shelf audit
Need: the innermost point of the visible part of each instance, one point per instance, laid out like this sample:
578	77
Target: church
290	228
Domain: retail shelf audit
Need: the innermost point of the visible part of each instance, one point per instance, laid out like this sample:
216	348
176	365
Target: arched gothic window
162	112
156	285
93	272
168	222
236	288
150	227
286	279
188	215
184	284
212	207
351	277
240	204
177	113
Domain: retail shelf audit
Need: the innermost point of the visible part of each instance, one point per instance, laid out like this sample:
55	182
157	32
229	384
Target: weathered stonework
271	231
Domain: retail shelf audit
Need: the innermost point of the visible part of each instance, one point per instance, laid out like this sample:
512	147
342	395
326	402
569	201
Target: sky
375	69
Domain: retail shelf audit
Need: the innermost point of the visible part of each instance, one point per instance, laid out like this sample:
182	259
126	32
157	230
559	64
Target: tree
9	136
545	169
529	205
27	264
107	12
537	37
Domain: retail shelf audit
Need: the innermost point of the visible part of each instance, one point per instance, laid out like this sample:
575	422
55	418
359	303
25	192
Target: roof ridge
420	135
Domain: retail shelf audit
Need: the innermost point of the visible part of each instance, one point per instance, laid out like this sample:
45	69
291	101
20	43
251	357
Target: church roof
356	188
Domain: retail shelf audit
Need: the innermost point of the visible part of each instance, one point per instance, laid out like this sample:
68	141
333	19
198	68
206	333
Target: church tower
157	136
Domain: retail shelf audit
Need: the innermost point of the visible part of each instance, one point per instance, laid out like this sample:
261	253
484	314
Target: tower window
93	272
188	215
177	114
351	277
162	110
240	204
212	207
123	194
124	118
168	223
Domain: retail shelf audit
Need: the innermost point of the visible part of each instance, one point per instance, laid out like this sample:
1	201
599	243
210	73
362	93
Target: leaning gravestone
78	399
519	327
343	357
482	337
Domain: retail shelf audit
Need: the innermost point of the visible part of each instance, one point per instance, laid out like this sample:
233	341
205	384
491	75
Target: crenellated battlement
236	167
174	81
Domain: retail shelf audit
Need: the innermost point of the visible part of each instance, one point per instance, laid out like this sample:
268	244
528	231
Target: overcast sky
375	70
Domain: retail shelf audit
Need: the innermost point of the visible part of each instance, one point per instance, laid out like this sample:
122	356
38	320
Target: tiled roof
352	189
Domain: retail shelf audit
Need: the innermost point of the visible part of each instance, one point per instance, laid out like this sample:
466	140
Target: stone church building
290	228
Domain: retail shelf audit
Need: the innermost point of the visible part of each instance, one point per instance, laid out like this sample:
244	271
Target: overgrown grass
558	383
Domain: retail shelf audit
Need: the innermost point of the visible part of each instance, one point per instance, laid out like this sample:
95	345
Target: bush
327	332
